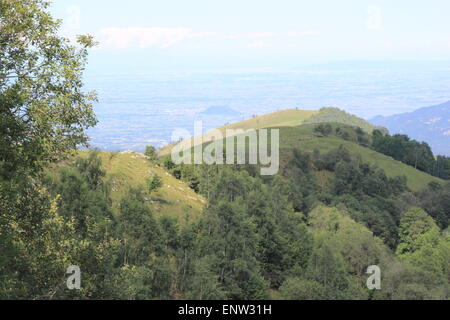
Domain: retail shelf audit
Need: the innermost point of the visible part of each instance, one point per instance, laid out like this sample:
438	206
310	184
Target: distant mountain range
429	124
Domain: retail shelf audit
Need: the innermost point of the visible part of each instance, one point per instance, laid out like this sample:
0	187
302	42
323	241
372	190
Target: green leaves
422	245
44	110
43	116
154	183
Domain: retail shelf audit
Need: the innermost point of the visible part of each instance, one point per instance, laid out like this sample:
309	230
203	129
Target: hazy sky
257	33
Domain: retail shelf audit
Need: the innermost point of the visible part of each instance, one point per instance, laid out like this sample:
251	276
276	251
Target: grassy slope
130	169
303	138
295	134
282	118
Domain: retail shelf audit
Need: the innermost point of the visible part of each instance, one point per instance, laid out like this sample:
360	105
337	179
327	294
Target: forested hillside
333	168
335	198
257	238
139	226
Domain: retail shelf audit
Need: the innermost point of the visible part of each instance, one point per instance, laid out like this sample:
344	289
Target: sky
196	34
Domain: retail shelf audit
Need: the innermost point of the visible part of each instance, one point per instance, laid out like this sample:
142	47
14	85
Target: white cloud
139	37
155	37
257	44
302	33
252	35
259	35
375	19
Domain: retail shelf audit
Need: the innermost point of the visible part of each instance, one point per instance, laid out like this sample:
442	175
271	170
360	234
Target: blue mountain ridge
429	124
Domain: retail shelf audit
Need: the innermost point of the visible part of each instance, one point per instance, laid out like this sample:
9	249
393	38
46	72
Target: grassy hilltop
289	117
293	118
297	130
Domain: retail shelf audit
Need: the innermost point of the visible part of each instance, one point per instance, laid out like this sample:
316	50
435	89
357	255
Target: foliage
436	201
150	153
154	183
413	153
323	129
44	112
423	246
327	115
308	233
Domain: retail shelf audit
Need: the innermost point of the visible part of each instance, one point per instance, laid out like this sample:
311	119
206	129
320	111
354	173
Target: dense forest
414	153
259	237
309	232
283	237
398	146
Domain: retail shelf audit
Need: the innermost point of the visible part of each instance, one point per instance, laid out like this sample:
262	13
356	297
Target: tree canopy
44	110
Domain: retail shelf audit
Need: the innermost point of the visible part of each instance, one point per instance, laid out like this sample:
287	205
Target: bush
154	183
150	153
